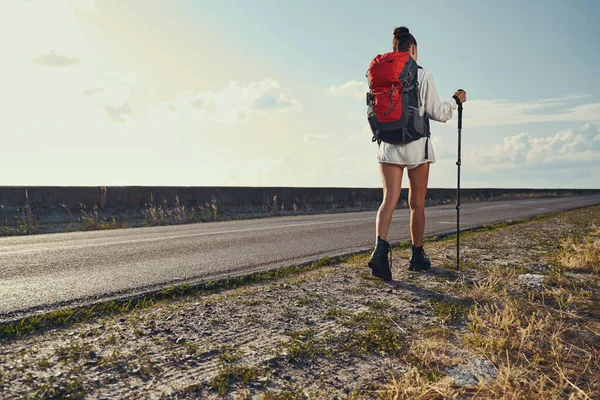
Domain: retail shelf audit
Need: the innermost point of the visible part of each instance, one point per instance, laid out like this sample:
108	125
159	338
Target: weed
303	346
161	214
73	352
44	364
380	306
230	355
67	209
91	220
191	348
25	221
581	255
71	389
449	310
333	313
413	384
308	300
371	331
290	393
112	339
231	374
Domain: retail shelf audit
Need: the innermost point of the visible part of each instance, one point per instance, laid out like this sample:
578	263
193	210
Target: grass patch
73	352
380	306
229	375
191	348
414	384
449	310
334	313
230	355
285	394
531	347
581	255
370	332
69	389
303	346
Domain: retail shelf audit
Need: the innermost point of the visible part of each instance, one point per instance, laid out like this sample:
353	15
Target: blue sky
271	93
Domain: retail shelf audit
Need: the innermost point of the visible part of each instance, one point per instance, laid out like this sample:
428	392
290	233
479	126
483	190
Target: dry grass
581	255
544	344
492	287
413	384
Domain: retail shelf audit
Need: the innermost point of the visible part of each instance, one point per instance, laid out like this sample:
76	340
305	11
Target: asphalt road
43	272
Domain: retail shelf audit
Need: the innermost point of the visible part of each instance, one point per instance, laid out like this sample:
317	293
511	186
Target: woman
415	157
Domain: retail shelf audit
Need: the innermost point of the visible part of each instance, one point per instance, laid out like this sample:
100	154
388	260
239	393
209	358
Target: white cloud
314	138
571	146
118	112
52	59
91	92
353	89
478	113
235	103
84	5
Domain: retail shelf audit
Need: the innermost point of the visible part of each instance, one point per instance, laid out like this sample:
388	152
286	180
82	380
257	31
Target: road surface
43	272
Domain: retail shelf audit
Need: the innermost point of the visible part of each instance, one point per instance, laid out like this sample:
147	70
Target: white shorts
409	155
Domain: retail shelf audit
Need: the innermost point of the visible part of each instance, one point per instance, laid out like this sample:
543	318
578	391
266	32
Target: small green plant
44	364
302	346
371	331
73	352
67	209
71	389
112	339
25	221
230	355
333	313
232	374
191	348
162	214
288	393
91	220
379	305
449	310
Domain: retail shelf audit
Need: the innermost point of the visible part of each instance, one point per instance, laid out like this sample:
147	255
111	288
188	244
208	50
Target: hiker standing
399	108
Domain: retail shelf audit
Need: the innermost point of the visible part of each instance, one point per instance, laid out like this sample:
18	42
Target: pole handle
460	109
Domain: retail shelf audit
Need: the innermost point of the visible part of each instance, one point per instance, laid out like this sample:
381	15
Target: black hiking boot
419	260
379	262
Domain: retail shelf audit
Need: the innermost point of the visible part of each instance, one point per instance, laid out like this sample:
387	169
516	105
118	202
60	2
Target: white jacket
413	154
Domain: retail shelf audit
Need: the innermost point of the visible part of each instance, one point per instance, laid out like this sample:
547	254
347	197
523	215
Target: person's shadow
423	292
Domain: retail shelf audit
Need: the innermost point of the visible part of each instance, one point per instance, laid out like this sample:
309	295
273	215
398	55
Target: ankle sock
417	250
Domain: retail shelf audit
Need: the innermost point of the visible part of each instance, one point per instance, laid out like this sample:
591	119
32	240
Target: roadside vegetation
28	219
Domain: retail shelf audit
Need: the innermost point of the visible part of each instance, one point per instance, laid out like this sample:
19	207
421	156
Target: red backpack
393	100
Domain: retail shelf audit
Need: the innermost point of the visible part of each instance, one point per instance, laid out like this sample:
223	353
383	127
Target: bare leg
418	179
391	175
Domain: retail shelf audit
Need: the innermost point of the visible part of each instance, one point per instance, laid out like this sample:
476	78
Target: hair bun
401	31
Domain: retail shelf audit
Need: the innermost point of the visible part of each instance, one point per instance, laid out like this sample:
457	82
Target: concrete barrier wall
237	199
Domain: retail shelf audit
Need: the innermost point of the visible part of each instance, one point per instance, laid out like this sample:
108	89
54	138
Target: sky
271	93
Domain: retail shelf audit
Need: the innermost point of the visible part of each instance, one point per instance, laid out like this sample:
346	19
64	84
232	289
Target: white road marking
488	207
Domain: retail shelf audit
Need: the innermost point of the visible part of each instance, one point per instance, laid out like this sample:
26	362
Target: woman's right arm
434	108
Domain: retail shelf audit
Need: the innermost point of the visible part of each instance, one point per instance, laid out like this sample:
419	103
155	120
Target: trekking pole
458	162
